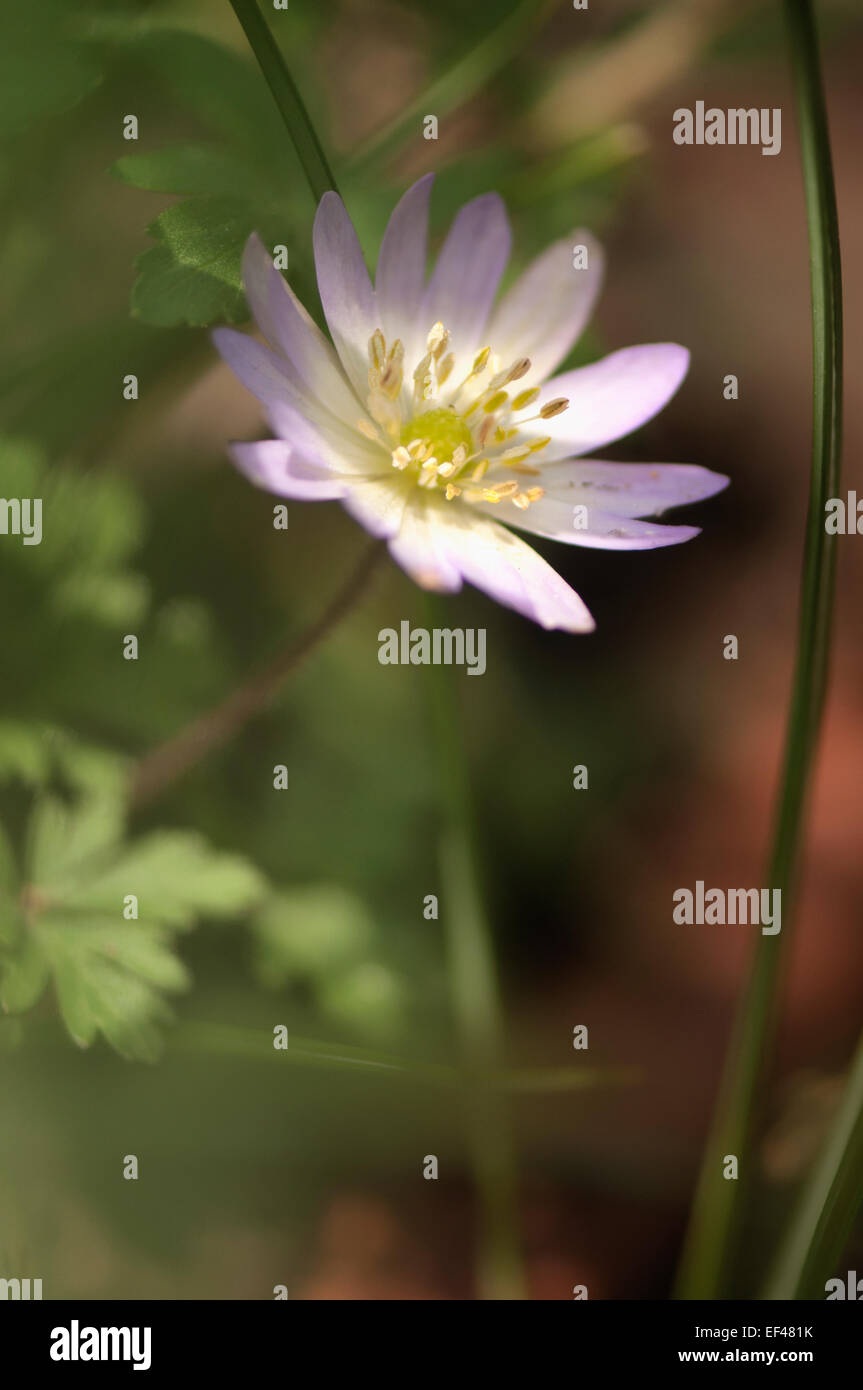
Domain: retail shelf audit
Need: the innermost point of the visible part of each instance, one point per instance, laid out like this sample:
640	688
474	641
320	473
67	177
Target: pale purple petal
329	446
283	320
420	548
271	465
608	399
345	288
630	489
263	372
494	560
467	274
293	414
401	273
546	310
589	526
378	504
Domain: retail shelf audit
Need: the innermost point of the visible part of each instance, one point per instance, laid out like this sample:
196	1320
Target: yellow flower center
442	429
453	447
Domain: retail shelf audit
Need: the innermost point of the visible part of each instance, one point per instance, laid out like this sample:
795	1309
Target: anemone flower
434	417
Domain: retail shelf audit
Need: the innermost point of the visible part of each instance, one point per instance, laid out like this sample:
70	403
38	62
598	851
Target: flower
435	418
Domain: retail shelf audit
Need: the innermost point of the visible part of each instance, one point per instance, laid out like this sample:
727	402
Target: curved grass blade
714	1231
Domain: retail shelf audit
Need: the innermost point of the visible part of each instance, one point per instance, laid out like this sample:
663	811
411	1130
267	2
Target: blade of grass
476	1002
286	97
714	1230
828	1205
255	1043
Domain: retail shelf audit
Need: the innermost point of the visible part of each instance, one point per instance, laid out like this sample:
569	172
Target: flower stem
286	97
828	1204
717	1214
171	760
476	1003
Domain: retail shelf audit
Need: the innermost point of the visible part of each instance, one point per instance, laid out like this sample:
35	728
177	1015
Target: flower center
454	446
442	429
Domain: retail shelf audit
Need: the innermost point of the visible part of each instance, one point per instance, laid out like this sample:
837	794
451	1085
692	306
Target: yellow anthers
391	377
555	407
480	361
485	431
437	339
444	445
444	368
518	370
377	350
499	492
525	398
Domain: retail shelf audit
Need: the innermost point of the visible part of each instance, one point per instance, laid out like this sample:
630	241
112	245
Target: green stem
459	82
286	97
716	1219
828	1204
476	1005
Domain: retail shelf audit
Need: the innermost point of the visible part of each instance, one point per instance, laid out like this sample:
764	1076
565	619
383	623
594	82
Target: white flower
436	418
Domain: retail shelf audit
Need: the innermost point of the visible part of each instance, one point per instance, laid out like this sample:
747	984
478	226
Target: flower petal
272	465
345	289
420	549
608	399
630	489
467	274
401	272
294	415
378	504
283	320
588	525
546	310
494	560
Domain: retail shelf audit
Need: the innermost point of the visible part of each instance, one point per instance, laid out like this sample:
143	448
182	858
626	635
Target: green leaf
110	974
64	838
189	169
245	184
167	293
107	977
23	978
175	876
368	996
309	931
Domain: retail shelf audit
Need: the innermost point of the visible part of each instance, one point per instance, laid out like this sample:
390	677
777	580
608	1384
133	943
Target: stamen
555	407
525	398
